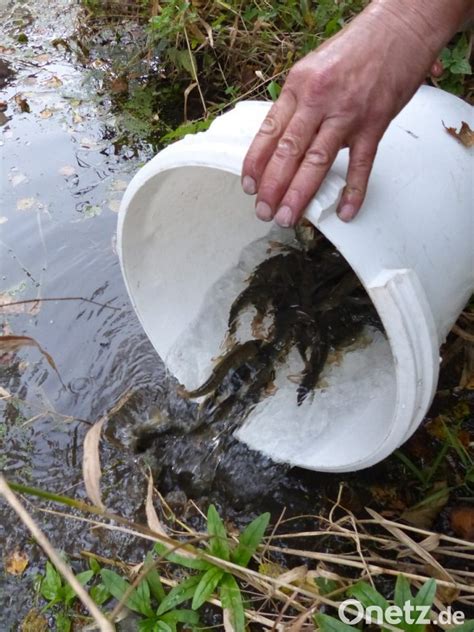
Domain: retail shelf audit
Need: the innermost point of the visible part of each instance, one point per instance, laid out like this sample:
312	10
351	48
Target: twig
62	298
104	624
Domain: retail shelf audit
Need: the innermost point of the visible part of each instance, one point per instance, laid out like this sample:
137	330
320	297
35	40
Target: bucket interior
190	239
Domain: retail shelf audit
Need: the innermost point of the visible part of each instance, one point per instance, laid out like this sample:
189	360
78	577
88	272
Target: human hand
344	94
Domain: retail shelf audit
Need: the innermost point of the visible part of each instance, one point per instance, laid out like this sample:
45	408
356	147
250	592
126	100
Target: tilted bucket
188	238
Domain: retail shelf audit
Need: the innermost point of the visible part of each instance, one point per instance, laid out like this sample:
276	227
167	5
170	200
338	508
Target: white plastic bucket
188	237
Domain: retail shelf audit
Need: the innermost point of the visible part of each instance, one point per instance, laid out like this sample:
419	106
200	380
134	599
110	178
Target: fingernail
264	212
284	216
249	185
346	212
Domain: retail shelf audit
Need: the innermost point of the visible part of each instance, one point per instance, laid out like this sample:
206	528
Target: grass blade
250	539
219	544
206	586
231	599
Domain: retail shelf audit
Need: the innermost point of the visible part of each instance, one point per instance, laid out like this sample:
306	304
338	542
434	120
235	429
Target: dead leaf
464	136
6	51
24	204
462	522
18	307
13	343
3	106
91	470
54	82
42	59
34	622
67	171
46	113
22	103
151	516
119	85
16	562
77	118
423	514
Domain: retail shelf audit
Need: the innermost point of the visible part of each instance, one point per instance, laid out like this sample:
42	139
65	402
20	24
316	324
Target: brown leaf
423	514
34	622
462	522
13	343
22	103
151	516
91	470
464	136
16	562
54	82
46	113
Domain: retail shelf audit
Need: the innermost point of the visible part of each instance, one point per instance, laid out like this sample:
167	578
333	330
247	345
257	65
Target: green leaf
249	540
182	592
331	624
68	591
274	90
99	594
175	558
181	616
51	583
403	592
63	622
94	565
368	596
461	67
148	625
326	585
206	586
231	599
426	594
144	597
153	579
218	544
117	586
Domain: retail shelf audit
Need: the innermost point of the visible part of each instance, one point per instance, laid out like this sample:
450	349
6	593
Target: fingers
266	140
309	175
437	69
361	158
284	162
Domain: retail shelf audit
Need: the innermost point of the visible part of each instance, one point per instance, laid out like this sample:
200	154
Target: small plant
456	65
150	600
212	578
60	595
404	614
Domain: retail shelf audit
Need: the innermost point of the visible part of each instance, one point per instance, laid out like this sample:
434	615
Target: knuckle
316	88
270	126
289	145
362	163
318	157
269	188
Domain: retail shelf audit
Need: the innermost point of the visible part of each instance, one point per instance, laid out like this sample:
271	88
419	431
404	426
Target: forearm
433	22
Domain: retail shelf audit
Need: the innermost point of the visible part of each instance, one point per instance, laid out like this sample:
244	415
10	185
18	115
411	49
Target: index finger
266	140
